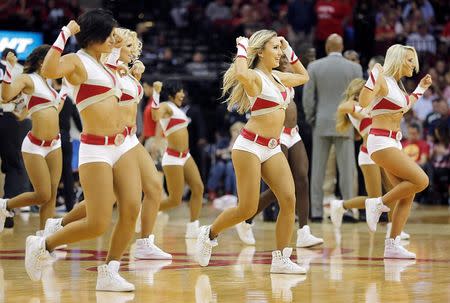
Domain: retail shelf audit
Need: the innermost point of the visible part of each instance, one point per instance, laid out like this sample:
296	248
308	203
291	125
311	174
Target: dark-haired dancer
41	148
108	172
178	165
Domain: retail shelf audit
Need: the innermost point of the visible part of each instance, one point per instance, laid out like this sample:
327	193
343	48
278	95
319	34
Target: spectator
352	56
329	77
422	41
446	92
167	64
431	117
385	34
416	148
301	18
424	6
217	11
424	106
444	115
197	67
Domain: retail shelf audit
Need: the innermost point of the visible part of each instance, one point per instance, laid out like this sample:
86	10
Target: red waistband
42	143
386	133
131	130
116	139
175	153
364	149
290	131
269	142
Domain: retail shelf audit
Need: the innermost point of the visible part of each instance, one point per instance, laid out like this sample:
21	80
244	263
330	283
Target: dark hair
34	60
170	88
8	50
443	131
95	27
416	126
378	59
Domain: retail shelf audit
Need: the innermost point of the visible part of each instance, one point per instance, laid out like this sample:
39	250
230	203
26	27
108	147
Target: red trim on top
173	122
126	97
37	101
284	94
368	87
111	66
372	78
366	122
295	61
90	90
364	149
263	104
386	104
64	37
57	49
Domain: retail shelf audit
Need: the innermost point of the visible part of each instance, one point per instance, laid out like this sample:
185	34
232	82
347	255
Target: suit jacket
329	77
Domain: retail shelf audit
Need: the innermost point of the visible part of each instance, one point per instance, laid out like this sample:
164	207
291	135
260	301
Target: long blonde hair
238	99
129	35
354	88
395	58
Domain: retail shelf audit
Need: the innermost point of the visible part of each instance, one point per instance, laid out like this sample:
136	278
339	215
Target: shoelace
289	263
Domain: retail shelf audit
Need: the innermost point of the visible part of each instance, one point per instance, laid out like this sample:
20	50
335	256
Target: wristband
7	78
61	41
155	103
242	48
289	53
113	59
418	92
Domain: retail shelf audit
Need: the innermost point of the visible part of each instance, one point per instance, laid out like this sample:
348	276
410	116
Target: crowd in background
194	41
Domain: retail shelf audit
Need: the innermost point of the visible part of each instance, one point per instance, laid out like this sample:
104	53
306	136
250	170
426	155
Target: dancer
255	87
294	150
41	148
178	165
107	170
350	112
132	93
387	100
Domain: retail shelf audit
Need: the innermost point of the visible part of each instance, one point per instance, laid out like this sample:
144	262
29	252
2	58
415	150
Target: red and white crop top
270	99
132	90
100	83
44	96
395	101
177	121
363	125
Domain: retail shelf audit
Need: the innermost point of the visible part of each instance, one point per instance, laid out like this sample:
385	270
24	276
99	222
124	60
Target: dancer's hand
122	69
73	27
137	69
284	43
426	81
11	59
242	40
118	40
157	86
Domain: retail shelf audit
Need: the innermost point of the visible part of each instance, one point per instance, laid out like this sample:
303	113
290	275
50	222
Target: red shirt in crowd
416	149
149	124
330	18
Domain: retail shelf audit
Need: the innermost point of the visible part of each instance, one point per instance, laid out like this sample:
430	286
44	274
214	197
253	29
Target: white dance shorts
376	143
37	148
173	157
364	158
289	137
90	153
262	152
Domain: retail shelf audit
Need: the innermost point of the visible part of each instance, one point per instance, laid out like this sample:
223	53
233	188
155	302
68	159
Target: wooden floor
348	268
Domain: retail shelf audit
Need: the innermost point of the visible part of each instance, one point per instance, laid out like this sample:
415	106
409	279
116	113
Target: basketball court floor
348	268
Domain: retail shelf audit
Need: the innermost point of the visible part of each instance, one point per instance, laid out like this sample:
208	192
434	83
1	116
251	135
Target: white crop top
395	101
100	83
270	99
132	90
177	121
44	96
363	125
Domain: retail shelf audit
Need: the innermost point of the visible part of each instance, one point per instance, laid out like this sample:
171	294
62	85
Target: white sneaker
374	209
282	264
282	285
192	230
52	226
36	257
4	213
146	249
337	211
204	246
305	239
138	227
394	250
403	235
109	279
393	268
245	232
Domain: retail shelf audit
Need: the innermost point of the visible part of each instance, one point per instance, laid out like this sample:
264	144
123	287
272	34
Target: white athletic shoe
192	230
337	211
109	279
305	239
374	209
403	235
394	250
282	285
146	249
36	257
393	268
4	213
282	264
138	227
204	246
52	226
245	232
